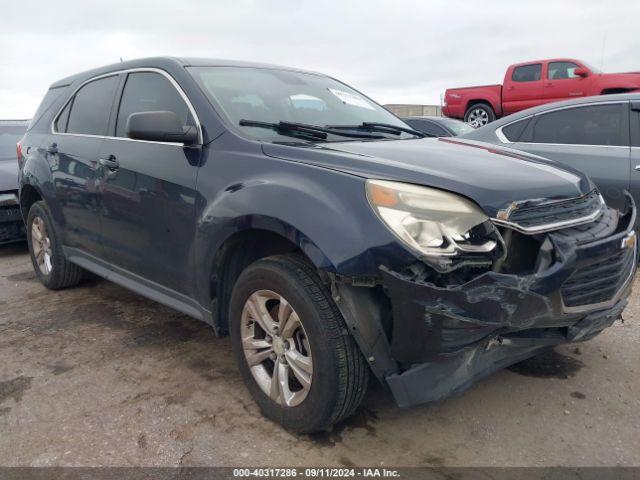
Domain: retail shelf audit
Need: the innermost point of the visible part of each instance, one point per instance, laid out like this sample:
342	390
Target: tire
339	376
52	268
479	114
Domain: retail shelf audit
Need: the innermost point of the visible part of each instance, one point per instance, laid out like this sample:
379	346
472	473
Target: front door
561	83
72	151
149	190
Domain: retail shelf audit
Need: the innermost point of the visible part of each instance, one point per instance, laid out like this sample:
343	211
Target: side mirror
160	126
581	72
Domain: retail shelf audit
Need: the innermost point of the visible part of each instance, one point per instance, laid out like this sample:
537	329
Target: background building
408	110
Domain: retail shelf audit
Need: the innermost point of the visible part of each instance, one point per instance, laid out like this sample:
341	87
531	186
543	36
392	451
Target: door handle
638	167
110	162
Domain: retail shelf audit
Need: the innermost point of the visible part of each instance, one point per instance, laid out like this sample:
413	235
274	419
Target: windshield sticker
351	99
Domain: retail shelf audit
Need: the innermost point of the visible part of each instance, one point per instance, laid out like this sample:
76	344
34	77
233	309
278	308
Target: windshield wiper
379	127
313	131
286	128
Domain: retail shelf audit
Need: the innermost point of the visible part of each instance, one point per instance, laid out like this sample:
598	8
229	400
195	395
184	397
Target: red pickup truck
533	83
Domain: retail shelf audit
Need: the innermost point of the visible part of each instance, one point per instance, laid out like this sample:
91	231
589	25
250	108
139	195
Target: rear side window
63	119
50	97
91	106
149	92
513	131
527	73
605	125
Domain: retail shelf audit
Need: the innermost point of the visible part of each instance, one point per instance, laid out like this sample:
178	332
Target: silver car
597	135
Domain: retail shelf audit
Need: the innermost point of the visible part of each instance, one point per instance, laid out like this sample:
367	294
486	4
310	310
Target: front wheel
479	114
293	348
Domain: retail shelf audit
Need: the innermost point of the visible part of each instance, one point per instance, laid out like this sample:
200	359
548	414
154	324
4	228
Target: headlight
437	224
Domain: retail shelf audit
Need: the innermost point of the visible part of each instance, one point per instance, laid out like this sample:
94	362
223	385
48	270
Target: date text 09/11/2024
316	472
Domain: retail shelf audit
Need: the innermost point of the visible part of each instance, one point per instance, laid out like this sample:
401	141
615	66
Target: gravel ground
97	375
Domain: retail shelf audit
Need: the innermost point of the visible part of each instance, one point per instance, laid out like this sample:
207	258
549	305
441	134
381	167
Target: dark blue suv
328	238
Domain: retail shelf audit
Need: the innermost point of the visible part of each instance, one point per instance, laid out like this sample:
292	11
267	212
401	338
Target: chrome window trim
574	222
576	145
501	136
131	70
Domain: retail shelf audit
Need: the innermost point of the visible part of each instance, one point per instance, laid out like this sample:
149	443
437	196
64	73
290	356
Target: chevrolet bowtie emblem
629	241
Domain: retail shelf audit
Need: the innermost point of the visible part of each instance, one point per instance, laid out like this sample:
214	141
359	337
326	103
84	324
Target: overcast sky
395	51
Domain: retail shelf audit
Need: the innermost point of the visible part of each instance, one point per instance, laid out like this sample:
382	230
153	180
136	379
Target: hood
8	175
493	177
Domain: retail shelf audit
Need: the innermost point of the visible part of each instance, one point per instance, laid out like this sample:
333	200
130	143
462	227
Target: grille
598	282
566	210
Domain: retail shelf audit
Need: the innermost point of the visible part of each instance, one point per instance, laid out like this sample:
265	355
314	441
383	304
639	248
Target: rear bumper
11	223
448	338
453	111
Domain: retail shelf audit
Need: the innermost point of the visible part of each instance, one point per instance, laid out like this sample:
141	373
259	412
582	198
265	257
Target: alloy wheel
478	117
276	348
41	244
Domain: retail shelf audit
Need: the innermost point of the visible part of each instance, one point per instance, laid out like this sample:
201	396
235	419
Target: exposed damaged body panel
449	330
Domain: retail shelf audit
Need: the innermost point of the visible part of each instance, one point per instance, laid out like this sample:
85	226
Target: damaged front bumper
446	338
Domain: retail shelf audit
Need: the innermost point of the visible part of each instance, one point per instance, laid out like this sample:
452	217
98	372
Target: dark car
597	135
11	223
329	239
438	126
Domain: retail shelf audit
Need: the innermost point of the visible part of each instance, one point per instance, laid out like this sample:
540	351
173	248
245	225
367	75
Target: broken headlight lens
434	222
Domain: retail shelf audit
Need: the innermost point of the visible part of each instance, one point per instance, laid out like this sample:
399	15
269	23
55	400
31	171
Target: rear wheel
52	268
294	351
479	114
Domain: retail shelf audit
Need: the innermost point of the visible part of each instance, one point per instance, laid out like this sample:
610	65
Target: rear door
523	89
592	138
149	188
72	152
561	83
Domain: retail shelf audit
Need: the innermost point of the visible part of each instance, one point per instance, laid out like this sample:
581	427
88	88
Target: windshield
458	127
9	136
272	96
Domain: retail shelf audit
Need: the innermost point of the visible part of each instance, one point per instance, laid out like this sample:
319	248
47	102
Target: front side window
527	73
150	92
561	70
589	125
272	96
90	107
